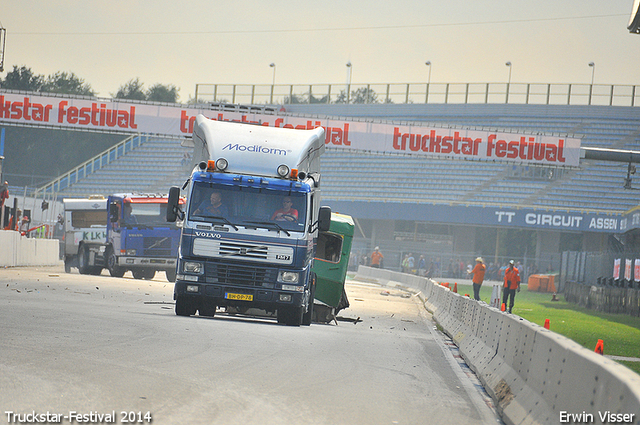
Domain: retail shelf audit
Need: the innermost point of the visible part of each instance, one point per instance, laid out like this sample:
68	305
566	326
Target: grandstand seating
152	167
158	163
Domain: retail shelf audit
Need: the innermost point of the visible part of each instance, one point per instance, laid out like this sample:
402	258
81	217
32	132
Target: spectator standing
422	266
14	222
511	284
431	271
24	226
376	258
478	277
411	263
450	270
4	194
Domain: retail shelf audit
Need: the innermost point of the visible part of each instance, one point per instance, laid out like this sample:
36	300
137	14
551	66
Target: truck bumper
237	296
148	263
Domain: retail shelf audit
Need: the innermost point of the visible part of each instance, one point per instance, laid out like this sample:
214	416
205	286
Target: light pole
508	64
348	80
593	72
426	99
273	81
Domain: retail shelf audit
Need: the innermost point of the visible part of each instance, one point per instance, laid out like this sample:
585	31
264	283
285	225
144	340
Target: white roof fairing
84	204
259	150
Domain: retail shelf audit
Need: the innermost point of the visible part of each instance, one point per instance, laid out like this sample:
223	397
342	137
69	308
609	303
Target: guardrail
401	93
92	165
534	375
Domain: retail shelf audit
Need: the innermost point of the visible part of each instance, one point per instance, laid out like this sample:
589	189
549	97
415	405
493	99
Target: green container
332	259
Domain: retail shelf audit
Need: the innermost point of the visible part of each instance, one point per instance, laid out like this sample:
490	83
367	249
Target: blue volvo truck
139	238
251	221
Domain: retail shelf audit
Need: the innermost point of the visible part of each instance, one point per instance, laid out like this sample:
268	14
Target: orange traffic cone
600	347
455	287
547	323
503	307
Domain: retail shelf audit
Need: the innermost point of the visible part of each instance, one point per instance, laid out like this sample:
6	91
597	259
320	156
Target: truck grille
249	251
243	251
239	275
157	246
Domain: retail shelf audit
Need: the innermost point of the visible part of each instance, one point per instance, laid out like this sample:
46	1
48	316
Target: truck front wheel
171	275
290	316
83	259
185	306
67	264
306	317
83	262
112	264
207	310
147	274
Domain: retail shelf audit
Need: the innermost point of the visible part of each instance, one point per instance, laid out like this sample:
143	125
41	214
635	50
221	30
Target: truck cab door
113	224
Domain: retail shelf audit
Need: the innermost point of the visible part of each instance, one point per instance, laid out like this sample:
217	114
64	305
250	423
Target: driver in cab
287	212
213	207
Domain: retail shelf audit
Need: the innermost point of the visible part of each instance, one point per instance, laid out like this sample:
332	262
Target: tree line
23	78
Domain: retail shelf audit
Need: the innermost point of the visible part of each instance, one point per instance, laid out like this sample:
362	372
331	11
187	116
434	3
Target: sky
189	42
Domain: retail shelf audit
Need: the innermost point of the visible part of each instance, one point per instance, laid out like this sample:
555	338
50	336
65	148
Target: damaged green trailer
330	266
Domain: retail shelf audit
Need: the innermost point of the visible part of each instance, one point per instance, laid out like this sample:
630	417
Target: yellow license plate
240	297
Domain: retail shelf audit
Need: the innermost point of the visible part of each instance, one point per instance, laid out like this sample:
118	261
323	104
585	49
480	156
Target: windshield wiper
270	223
215	217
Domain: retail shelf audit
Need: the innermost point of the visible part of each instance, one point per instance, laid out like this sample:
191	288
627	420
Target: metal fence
436	93
608	299
589	268
586	278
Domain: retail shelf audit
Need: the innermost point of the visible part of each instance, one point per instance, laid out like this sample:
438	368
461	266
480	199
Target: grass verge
620	333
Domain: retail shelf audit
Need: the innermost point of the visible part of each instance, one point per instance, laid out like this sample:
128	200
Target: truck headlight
288	277
131	252
192	267
283	170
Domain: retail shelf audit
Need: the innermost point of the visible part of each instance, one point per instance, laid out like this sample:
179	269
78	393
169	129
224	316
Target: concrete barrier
534	376
16	250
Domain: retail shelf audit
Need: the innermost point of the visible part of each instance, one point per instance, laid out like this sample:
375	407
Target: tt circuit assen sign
178	120
526	218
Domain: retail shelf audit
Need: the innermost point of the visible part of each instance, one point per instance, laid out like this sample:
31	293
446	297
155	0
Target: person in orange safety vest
478	277
376	258
511	284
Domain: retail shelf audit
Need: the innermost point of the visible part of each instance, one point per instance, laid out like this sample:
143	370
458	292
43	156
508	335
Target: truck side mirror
324	219
173	209
114	212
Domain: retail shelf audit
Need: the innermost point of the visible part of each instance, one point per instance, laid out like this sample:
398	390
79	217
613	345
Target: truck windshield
146	214
84	219
248	207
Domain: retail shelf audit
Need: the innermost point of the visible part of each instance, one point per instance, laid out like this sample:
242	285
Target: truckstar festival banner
176	120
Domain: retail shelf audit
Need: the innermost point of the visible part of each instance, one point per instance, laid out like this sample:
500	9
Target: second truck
124	232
